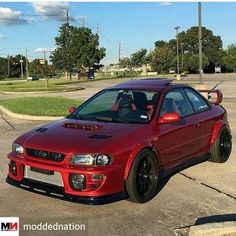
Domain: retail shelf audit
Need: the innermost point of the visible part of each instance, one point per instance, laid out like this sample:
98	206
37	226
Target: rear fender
218	125
133	155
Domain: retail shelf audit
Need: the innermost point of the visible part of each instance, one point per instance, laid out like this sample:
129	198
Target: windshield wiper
76	116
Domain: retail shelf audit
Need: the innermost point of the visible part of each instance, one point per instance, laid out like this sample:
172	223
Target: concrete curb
28	117
42	92
214	229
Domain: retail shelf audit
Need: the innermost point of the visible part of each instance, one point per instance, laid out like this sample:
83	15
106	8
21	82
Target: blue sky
135	25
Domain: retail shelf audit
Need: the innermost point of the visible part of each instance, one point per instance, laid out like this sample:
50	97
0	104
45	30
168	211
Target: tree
86	49
35	67
136	59
3	67
139	58
230	58
163	58
192	62
212	46
77	47
62	56
15	65
164	55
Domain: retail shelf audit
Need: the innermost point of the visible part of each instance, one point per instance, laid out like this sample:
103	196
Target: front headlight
90	159
17	148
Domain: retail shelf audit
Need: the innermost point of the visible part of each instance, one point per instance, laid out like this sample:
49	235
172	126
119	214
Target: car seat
140	100
124	101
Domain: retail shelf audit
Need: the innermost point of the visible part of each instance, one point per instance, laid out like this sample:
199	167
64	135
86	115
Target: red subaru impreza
121	142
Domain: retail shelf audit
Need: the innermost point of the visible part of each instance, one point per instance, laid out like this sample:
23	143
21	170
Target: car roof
145	84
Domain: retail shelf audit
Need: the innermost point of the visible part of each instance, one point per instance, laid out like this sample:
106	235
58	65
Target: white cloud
52	10
2	36
10	17
42	50
165	3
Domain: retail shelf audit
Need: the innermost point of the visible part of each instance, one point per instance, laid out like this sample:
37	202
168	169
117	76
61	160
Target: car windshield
116	105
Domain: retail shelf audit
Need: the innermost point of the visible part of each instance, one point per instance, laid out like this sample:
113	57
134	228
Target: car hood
77	136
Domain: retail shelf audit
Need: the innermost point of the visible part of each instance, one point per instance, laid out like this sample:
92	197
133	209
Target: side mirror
169	118
72	109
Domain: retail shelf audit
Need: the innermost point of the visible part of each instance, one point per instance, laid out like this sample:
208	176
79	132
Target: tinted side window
198	102
175	102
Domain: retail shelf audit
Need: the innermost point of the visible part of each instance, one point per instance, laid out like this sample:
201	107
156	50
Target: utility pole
21	67
105	65
119	53
177	46
44	55
26	63
97	29
182	56
45	68
82	21
8	66
200	40
67	17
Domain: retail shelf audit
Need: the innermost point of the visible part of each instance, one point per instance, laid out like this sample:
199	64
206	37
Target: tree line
77	50
163	58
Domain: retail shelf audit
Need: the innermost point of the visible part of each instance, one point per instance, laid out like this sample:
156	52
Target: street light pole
200	40
177	46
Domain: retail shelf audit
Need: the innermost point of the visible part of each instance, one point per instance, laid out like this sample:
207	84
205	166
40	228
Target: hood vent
41	130
100	136
81	126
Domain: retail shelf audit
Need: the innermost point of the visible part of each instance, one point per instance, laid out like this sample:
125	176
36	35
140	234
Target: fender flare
139	147
218	125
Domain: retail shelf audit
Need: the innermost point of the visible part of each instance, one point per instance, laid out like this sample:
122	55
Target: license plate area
44	176
41	171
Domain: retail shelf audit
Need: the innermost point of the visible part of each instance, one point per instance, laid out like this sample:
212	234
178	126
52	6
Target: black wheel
142	182
221	149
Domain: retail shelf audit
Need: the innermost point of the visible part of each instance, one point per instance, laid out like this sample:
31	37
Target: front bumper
59	193
112	184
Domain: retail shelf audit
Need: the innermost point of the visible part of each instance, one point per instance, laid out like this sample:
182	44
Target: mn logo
9	226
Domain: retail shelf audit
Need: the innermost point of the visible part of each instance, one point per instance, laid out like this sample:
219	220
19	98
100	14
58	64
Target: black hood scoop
100	136
41	130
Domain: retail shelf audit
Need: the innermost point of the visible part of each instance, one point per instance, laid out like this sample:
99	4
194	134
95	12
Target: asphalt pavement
200	194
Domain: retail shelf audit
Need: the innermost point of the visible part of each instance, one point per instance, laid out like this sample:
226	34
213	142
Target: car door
205	115
181	140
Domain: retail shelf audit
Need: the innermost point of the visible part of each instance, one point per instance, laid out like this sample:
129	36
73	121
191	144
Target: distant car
172	72
217	69
121	142
33	77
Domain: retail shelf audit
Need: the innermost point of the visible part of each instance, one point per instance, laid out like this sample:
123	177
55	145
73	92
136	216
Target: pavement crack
208	186
12	126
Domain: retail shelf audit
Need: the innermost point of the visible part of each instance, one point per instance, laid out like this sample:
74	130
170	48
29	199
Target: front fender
139	147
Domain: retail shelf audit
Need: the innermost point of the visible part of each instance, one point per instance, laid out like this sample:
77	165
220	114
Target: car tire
221	148
142	181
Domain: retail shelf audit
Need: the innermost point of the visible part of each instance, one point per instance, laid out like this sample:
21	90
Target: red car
121	142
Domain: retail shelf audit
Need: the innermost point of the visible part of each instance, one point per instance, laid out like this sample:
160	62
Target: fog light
96	177
77	181
13	167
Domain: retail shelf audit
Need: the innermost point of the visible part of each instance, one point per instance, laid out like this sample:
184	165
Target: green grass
40	106
55	85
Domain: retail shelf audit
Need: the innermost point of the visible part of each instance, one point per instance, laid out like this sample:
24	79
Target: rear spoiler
212	99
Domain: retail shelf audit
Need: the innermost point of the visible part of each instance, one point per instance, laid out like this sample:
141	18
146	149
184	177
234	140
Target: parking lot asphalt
200	194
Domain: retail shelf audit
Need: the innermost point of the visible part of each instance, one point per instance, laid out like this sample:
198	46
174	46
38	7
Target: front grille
53	156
